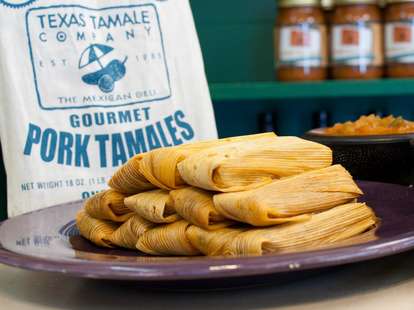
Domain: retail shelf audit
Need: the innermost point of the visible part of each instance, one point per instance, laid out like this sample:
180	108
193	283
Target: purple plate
47	240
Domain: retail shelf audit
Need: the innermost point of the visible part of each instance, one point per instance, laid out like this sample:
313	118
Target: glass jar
300	41
399	38
357	40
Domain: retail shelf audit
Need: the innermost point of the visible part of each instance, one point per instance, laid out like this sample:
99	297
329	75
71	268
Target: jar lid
341	2
290	3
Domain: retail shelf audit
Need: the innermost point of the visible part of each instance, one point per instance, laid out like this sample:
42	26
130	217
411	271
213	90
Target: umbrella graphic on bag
106	77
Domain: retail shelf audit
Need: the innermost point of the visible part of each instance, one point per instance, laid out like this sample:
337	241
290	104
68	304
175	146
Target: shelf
309	90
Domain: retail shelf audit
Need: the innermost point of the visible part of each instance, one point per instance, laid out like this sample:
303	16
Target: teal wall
294	117
237	38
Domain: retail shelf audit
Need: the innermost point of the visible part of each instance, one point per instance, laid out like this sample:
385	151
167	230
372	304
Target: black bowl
383	158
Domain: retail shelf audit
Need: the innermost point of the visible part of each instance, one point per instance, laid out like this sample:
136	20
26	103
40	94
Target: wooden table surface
381	284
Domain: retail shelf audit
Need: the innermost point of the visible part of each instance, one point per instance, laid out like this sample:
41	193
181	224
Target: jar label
301	45
357	44
399	41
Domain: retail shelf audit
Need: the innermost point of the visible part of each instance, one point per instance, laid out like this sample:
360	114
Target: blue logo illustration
127	66
106	77
16	4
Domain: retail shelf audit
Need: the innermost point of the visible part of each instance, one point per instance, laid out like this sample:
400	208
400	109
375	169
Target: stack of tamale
249	195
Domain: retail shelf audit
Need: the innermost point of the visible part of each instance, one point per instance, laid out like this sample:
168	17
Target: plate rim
212	268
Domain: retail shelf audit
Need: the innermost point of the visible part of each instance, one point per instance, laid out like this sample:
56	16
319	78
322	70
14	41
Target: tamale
155	206
196	206
250	164
127	234
169	239
128	179
97	231
323	228
285	199
211	243
108	205
160	166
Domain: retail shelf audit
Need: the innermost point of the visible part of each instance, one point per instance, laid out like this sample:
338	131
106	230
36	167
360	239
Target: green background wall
236	38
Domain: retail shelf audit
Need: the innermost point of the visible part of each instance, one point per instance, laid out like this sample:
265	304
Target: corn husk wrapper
167	239
323	228
155	206
128	179
364	237
246	165
128	233
196	206
160	166
286	199
211	243
97	231
108	205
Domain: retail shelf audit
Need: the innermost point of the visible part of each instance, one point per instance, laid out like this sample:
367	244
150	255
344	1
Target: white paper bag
85	85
